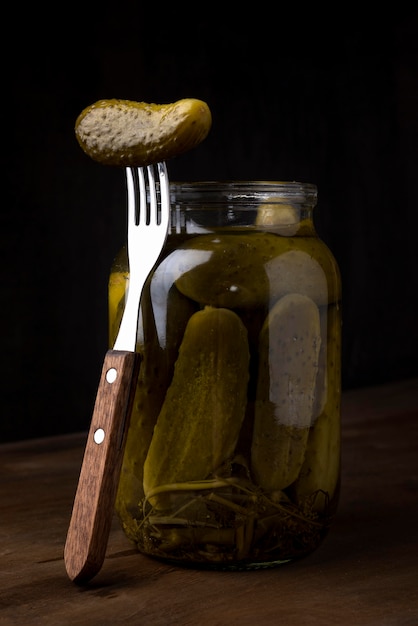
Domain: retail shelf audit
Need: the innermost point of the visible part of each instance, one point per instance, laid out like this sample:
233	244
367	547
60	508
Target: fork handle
94	501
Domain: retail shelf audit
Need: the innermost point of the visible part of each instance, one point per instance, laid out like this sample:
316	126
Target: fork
93	508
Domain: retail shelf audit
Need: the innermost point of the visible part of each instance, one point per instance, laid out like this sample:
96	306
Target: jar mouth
244	191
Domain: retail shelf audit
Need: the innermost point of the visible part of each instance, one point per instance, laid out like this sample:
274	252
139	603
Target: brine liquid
234	516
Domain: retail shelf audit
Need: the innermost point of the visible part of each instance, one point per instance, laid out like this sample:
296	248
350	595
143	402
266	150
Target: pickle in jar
290	342
201	417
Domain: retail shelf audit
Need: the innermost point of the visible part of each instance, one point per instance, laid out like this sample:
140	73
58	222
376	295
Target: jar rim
243	190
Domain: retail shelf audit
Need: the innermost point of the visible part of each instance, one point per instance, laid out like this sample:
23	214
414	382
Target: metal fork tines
148	218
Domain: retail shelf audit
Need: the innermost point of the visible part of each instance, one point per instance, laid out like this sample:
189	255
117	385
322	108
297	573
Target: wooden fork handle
94	501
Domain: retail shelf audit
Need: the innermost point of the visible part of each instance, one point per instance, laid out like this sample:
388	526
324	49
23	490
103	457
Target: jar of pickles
232	458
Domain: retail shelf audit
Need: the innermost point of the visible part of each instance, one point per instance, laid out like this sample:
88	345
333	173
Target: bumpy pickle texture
125	133
200	420
289	349
247	270
320	470
282	218
158	357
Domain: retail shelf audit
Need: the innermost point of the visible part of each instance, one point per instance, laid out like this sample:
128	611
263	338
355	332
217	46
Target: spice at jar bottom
232	458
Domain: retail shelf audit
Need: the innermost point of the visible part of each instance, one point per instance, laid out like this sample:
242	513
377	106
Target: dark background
294	94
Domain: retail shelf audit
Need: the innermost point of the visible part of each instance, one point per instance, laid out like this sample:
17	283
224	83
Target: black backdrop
297	95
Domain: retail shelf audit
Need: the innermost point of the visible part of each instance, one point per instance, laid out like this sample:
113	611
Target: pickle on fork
125	133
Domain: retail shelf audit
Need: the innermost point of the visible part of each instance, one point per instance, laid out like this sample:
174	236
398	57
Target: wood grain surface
365	573
94	502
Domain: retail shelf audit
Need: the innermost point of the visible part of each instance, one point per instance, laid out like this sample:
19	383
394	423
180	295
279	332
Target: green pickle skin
204	407
290	342
232	458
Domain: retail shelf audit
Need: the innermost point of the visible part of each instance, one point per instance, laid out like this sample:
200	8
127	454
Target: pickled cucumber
126	133
319	475
285	218
251	270
289	349
159	353
296	271
199	423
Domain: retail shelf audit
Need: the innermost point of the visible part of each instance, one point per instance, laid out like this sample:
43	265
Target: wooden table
366	572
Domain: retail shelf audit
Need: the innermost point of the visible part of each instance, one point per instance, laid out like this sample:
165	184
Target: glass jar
232	458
